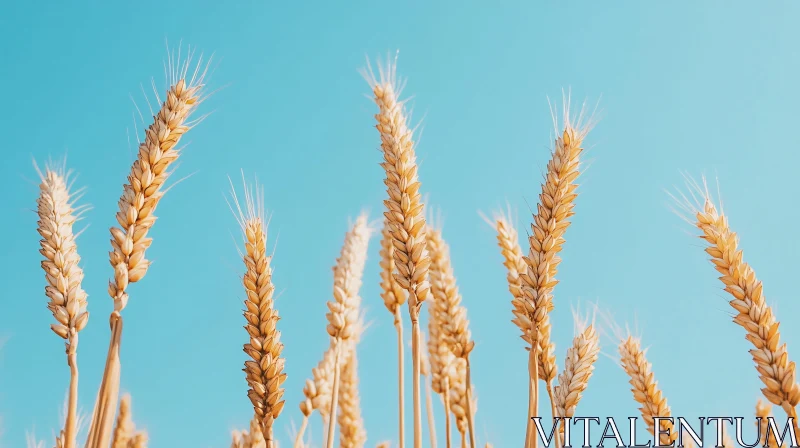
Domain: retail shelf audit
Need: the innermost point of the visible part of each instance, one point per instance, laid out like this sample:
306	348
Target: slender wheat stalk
555	207
645	388
393	298
343	315
57	215
440	359
753	314
425	371
451	315
265	368
404	211
129	242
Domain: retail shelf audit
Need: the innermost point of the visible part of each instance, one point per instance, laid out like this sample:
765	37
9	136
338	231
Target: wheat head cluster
417	281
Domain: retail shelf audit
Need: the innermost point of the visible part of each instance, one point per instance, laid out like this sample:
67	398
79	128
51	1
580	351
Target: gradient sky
703	87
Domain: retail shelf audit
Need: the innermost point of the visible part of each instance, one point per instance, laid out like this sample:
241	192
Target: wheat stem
446	393
400	387
429	410
404	211
329	438
470	415
298	440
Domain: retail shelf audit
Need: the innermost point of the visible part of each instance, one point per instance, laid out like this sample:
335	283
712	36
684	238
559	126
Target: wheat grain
404	210
440	359
645	388
57	215
753	314
265	370
383	445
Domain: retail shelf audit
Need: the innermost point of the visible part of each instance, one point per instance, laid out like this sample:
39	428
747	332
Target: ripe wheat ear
265	368
141	194
57	214
404	210
770	357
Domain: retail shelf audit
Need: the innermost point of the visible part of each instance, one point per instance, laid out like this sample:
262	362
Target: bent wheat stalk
343	312
57	215
265	368
771	358
404	211
140	196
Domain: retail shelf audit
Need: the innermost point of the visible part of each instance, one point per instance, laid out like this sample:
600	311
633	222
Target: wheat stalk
425	371
343	312
753	314
351	424
555	207
57	215
265	368
140	196
393	298
404	211
645	388
764	411
440	358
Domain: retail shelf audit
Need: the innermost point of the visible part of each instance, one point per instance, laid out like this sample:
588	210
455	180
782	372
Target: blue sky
704	87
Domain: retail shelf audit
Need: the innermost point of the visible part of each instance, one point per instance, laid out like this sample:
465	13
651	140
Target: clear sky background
706	87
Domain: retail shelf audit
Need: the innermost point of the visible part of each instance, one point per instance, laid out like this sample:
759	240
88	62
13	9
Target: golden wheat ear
578	364
265	368
771	358
58	213
141	194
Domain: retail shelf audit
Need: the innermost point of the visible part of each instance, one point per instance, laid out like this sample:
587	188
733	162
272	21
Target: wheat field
431	389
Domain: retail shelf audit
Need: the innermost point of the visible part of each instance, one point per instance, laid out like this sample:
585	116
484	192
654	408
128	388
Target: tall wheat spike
343	315
57	215
451	315
265	368
645	388
404	210
129	242
394	297
771	358
555	207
